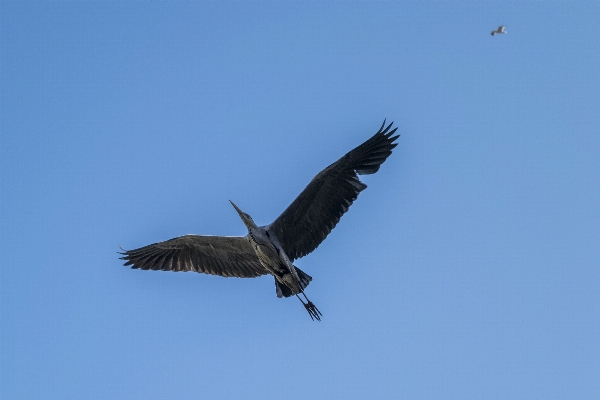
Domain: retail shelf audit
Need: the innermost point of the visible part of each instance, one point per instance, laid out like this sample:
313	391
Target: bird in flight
501	29
271	249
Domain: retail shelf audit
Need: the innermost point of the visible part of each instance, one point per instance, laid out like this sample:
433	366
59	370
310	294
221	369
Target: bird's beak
245	217
237	209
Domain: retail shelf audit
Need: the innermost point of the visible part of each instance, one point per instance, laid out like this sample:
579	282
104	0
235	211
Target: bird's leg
307	308
312	310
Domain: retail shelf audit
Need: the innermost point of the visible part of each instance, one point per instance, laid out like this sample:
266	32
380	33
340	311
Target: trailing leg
313	311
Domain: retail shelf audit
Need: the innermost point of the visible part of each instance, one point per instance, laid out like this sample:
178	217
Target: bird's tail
284	291
304	278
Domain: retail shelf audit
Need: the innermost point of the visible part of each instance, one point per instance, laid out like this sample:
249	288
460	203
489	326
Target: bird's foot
313	311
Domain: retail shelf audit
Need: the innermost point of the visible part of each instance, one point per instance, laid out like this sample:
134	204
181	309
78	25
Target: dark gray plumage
295	233
215	255
318	209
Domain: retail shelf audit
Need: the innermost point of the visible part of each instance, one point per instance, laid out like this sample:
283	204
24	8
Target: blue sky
468	269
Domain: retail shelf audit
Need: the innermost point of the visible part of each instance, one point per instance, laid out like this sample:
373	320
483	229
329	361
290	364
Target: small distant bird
501	29
271	249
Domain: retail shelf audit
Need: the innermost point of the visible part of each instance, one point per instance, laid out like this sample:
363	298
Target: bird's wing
501	28
316	211
216	255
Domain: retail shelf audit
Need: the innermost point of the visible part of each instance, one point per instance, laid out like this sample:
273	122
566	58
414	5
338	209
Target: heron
273	248
501	30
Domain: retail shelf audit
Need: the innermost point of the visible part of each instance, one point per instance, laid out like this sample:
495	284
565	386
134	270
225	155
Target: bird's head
246	219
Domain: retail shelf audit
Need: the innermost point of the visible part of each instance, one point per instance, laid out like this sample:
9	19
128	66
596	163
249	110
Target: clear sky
469	269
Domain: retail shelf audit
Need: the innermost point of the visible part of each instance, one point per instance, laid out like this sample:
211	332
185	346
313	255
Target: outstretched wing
317	210
216	255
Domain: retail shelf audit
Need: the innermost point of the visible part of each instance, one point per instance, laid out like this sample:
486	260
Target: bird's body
501	30
295	233
272	257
